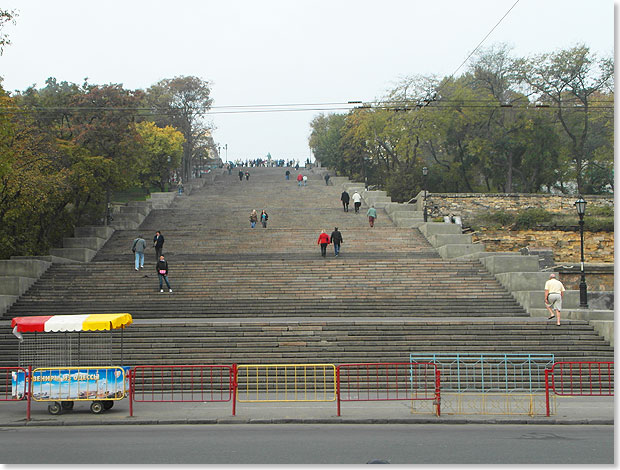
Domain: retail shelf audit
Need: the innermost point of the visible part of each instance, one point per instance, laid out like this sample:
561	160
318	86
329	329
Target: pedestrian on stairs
326	179
299	179
287	174
263	218
336	239
138	247
323	241
344	197
247	176
162	273
357	201
158	244
372	215
305	180
240	175
554	292
253	218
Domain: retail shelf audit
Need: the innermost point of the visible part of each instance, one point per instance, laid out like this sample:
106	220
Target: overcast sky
281	52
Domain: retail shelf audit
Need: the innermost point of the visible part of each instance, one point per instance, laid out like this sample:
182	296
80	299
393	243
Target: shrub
604	211
602	224
530	218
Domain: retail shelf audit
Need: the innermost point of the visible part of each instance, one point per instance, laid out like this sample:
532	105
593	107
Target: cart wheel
67	405
107	404
54	408
96	407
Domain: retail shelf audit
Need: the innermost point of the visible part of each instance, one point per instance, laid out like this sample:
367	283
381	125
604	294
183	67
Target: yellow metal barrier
531	404
78	383
286	383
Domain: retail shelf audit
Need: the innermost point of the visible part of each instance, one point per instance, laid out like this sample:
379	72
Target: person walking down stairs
323	241
263	218
162	273
336	239
253	218
138	247
240	175
158	244
299	179
372	215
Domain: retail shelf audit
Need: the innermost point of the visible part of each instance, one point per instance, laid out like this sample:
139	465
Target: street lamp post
424	175
580	204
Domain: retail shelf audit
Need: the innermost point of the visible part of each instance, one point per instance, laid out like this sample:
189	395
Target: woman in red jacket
323	241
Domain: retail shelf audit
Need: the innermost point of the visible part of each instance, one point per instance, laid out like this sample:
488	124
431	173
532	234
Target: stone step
451	251
484	254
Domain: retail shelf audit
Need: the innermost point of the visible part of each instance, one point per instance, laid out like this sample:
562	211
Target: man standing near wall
554	292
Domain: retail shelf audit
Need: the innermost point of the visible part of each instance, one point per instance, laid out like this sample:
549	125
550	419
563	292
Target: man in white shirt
554	292
357	201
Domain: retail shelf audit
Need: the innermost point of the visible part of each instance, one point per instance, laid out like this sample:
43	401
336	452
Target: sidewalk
570	410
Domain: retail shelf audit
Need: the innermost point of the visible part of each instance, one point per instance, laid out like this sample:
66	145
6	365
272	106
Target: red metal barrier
16	386
388	381
186	383
585	379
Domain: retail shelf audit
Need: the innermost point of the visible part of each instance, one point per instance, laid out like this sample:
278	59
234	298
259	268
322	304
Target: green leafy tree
33	187
182	102
325	140
104	124
573	80
161	151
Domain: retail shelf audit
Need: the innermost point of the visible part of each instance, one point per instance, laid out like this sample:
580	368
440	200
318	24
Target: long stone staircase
267	296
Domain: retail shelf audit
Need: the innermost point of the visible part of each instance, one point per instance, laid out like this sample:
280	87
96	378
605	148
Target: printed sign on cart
100	383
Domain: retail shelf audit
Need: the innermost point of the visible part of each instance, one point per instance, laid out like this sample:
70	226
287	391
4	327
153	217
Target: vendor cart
72	358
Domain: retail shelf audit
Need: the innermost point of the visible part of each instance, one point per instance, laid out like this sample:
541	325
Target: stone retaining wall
468	205
566	246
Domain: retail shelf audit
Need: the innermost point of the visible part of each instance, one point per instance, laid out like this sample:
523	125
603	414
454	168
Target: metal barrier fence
257	383
184	383
389	381
14	387
489	373
585	379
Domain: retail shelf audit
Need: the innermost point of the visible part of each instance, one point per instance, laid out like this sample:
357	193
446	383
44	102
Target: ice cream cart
72	358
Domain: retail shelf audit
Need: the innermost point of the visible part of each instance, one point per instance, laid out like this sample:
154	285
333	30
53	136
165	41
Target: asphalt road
308	444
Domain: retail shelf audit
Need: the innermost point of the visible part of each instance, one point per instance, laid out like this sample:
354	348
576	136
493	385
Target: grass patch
134	194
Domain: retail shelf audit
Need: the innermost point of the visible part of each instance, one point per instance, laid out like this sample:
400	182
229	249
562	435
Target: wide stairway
267	296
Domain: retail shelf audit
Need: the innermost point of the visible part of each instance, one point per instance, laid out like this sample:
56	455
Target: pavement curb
346	421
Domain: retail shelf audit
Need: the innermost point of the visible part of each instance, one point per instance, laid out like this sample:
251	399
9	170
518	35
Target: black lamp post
580	204
424	175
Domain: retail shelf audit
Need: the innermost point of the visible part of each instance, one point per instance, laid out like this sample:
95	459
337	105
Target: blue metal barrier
486	373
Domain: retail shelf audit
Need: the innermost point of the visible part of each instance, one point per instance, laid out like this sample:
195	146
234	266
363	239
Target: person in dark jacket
240	175
162	273
336	239
344	197
323	241
158	243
